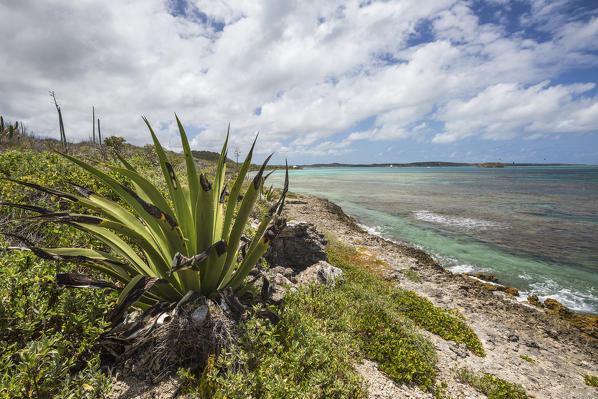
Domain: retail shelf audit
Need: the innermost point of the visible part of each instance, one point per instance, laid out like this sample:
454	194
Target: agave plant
162	248
268	193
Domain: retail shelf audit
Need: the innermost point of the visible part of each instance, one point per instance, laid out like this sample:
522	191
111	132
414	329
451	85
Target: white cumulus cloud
305	74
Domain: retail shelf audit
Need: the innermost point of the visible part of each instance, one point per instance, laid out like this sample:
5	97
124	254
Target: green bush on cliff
491	386
412	275
527	359
436	320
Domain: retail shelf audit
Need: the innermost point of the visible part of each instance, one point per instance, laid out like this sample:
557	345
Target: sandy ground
507	329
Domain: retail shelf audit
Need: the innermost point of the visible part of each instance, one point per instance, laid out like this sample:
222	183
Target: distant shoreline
483	165
426	164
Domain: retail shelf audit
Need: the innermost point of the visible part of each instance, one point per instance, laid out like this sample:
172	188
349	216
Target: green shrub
115	142
491	386
412	275
401	353
527	359
294	359
436	320
590	380
47	334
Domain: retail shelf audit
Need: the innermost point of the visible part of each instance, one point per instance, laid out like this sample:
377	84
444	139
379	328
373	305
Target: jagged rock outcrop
298	258
298	246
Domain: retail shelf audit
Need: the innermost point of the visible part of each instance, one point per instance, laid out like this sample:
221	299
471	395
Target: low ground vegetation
528	359
48	335
491	386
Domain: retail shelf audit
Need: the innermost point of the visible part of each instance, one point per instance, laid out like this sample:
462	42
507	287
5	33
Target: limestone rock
278	287
285	271
298	246
321	273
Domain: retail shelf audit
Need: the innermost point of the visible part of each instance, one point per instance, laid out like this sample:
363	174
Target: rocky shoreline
539	348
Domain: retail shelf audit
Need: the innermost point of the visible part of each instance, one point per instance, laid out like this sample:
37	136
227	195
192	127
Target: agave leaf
98	260
213	267
138	189
220	168
192	176
120	247
136	264
132	292
181	206
125	162
234	192
174	234
193	181
218	184
145	189
94	259
181	262
204	213
46	190
161	228
76	280
76	219
75	255
243	214
285	189
117	213
276	209
27	207
85	254
272	231
156	259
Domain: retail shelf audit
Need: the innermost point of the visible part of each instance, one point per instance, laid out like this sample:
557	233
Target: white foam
379	231
574	300
464	268
525	276
459	222
375	231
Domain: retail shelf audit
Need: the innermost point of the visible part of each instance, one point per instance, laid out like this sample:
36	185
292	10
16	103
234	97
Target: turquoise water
535	228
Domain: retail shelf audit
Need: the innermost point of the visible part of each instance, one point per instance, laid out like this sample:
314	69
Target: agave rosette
187	242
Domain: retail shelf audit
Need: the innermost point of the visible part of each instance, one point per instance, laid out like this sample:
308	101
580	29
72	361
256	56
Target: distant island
491	165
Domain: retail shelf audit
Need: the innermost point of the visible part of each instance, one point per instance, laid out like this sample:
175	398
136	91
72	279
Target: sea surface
535	228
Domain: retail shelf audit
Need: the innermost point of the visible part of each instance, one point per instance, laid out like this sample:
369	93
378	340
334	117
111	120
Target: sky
322	81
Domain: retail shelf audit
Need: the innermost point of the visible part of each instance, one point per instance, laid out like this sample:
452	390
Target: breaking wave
459	222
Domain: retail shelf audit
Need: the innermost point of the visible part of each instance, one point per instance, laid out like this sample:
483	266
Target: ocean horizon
535	228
